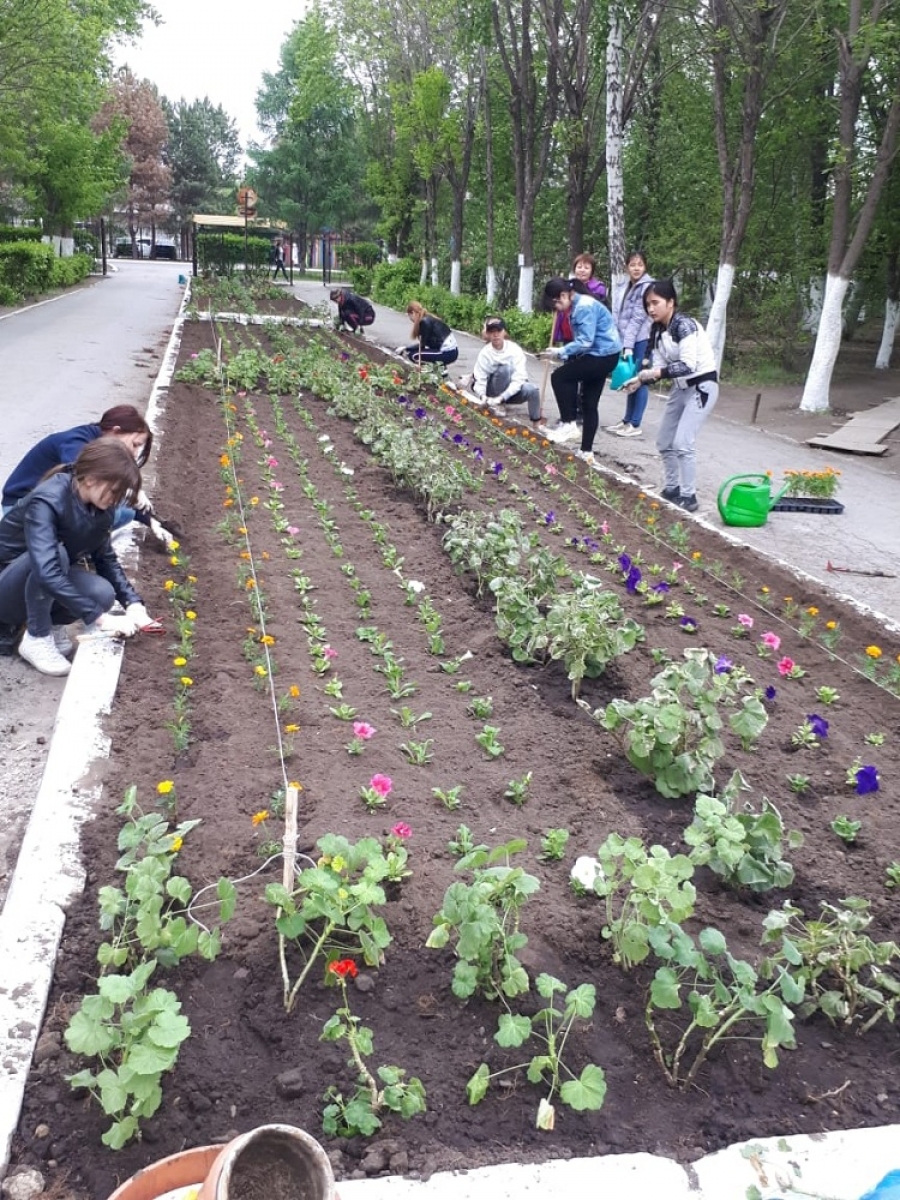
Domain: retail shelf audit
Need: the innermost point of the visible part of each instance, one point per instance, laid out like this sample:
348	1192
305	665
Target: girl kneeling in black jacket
67	518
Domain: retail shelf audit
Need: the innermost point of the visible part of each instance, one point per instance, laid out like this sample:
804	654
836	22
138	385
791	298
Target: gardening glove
628	353
401	350
164	535
143	622
114	626
142	501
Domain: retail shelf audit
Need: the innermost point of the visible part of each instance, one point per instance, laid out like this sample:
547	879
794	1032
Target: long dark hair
555	287
108	461
125	418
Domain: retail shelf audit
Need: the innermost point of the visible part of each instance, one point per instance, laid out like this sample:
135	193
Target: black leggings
591	372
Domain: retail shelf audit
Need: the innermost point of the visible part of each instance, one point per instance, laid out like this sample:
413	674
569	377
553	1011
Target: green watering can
749	500
623	372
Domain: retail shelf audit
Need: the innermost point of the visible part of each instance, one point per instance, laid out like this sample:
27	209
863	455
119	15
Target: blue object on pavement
888	1189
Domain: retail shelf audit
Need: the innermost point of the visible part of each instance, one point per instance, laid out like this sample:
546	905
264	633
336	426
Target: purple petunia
867	780
724	666
817	724
625	562
689	623
634	578
458	439
591	544
770	692
550	518
478	454
662	588
420	414
497	469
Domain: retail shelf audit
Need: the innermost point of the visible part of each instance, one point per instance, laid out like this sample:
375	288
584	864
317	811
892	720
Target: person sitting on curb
501	372
123	422
353	311
66	519
435	340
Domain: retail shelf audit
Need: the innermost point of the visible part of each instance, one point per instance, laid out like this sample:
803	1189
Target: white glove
628	354
142	501
138	615
114	626
401	350
160	531
552	352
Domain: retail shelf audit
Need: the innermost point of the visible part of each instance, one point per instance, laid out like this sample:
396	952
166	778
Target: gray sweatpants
685	411
498	382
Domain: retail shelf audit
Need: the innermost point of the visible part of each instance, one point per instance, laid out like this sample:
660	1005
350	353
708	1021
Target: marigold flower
165	786
696	555
764	590
227	503
250	585
174	560
224	460
294	691
261	671
297	786
186	681
245	554
254	500
169	585
267	640
345	967
812	611
177	843
831	624
292	729
873	651
259	817
191	615
180	661
192	578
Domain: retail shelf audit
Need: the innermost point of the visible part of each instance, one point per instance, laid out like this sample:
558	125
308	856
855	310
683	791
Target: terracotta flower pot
277	1161
170	1176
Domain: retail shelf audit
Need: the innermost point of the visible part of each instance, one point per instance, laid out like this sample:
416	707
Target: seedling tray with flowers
473	661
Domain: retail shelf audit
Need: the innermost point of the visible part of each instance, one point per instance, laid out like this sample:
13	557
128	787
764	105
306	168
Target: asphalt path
65	361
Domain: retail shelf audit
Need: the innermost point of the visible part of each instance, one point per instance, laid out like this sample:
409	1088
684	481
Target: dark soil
247	1062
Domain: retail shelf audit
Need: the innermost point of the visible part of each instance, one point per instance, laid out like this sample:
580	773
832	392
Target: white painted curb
49	872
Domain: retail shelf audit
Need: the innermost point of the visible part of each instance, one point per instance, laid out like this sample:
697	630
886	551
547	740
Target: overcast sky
207	48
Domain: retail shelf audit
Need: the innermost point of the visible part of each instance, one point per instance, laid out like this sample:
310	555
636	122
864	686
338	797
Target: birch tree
868	53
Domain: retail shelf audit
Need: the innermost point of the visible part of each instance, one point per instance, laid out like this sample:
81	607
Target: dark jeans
591	372
24	602
432	356
279	267
354	320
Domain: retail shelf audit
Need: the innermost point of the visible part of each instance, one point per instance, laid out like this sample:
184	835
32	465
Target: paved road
64	363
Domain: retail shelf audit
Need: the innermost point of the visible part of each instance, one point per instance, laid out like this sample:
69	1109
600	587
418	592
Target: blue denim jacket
593	328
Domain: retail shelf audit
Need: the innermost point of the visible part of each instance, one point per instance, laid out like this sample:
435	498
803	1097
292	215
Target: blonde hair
416	311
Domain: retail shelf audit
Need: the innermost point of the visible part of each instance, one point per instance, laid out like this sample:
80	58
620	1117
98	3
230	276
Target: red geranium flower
344	967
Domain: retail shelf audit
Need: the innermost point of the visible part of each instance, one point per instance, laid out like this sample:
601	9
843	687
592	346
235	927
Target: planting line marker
49	872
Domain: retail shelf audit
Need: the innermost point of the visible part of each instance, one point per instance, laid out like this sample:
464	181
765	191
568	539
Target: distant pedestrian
501	372
353	311
434	340
633	324
586	361
680	351
278	257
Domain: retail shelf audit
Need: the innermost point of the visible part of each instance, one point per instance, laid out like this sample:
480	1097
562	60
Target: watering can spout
747	500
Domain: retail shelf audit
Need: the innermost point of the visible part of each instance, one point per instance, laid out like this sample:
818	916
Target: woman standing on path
633	324
434	342
587	360
66	519
681	352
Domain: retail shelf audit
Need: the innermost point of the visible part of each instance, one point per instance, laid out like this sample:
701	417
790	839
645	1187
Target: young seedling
893	875
847	830
408	718
419	753
517	789
827	695
462	843
449	797
553	844
481	707
798	784
343	712
488	741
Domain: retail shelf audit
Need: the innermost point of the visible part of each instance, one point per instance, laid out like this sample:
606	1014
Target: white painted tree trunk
718	313
456	277
888	333
816	390
490	284
423	273
615	186
526	289
813	311
434	272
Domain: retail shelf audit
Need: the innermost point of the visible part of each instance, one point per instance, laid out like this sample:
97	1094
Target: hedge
28	268
20	233
220	253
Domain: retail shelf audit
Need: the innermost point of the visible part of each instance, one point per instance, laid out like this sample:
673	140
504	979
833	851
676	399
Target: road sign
247	198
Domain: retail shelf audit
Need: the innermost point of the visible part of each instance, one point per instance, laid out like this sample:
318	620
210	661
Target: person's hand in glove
401	350
142	501
115	626
626	353
551	352
164	535
143	622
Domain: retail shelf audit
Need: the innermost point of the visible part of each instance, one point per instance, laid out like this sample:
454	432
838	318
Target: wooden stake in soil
756	408
290	836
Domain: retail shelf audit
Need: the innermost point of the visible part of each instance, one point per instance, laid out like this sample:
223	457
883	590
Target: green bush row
220	253
20	233
28	268
396	284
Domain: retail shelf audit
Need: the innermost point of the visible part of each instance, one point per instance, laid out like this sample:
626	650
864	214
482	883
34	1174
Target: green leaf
226	893
582	1001
512	1030
548	984
169	1030
86	1035
587	1093
179	889
150	1060
712	941
664	989
121	1133
478	1085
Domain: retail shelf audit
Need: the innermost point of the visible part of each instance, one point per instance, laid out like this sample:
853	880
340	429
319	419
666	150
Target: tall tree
868	57
203	152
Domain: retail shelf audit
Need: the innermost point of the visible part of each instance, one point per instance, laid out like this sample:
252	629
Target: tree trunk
455	276
888	333
715	324
615	187
828	342
490	273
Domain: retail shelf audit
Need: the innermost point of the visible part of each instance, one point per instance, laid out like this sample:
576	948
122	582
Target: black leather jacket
50	516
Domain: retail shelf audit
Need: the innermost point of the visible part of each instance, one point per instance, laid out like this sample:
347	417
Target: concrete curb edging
49	872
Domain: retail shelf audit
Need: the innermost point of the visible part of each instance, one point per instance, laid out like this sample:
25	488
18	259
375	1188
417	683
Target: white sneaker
43	655
619	425
566	433
61	640
630	431
586	456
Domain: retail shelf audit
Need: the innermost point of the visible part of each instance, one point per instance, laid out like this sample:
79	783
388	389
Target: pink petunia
676	566
276	486
604	528
401	830
363	730
328	652
772	640
745	620
381	784
785	666
271	461
293	530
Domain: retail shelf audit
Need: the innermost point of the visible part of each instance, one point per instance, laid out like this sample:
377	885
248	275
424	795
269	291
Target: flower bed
410	681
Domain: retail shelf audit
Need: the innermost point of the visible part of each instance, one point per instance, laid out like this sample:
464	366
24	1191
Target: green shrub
69	271
26	267
219	254
9	297
20	233
361	280
362	254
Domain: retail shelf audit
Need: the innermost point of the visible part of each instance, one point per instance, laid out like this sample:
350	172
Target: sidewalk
864	537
